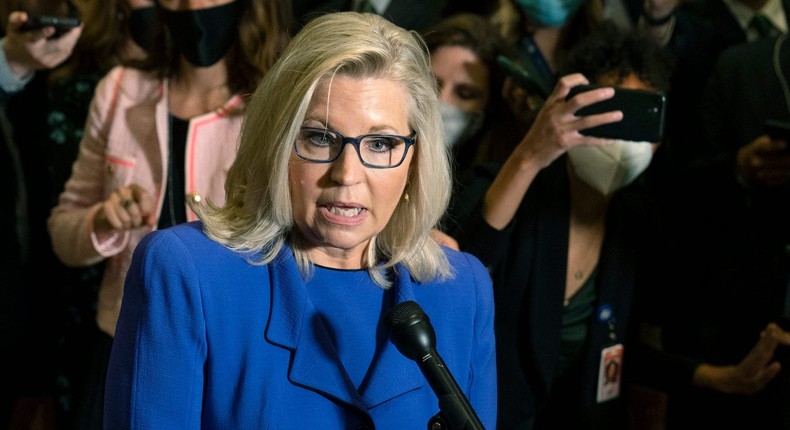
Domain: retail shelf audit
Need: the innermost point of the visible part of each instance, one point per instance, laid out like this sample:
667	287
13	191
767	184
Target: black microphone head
410	329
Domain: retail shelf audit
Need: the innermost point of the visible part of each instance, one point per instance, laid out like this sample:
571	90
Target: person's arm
24	52
9	83
71	223
555	130
656	368
753	373
155	371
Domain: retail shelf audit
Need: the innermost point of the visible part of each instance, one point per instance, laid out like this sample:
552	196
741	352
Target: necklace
586	229
583	252
584	259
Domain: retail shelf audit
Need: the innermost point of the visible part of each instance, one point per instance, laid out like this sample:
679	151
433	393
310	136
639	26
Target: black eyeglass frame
409	141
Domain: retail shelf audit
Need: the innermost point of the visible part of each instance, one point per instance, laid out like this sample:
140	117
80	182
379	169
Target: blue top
204	341
10	83
346	300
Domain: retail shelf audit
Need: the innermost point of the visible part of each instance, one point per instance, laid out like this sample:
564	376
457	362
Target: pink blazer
125	142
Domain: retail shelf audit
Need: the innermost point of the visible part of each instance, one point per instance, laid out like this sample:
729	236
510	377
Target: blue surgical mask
203	36
550	13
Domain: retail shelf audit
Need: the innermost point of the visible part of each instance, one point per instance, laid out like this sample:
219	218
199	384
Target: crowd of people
224	260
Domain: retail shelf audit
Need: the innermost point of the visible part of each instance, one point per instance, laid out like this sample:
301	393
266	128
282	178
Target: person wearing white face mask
463	50
460	125
611	167
572	242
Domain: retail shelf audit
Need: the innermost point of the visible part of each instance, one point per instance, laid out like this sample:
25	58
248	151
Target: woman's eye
380	144
319	138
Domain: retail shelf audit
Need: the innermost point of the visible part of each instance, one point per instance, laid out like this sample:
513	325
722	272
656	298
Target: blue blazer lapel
294	325
391	373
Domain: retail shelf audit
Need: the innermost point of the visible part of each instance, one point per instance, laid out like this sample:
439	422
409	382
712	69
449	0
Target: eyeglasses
378	151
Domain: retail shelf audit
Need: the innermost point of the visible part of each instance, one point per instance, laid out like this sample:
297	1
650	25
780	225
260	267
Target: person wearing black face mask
203	36
162	132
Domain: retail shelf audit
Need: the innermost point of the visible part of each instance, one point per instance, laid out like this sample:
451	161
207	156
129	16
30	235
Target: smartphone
62	24
522	77
778	129
644	114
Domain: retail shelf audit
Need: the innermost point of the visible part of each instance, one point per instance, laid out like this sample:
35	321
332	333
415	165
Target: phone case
522	77
643	114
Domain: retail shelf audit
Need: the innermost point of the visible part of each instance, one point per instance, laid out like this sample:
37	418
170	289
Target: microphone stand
413	335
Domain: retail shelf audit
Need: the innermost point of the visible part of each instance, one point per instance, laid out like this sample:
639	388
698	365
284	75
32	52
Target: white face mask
459	125
611	167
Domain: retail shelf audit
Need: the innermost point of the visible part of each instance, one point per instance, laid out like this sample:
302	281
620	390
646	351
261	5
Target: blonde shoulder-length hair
257	218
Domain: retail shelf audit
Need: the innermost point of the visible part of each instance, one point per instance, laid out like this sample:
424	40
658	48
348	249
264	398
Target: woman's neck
198	90
586	233
546	39
588	206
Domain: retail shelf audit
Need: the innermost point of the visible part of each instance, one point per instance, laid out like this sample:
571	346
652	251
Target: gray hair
257	218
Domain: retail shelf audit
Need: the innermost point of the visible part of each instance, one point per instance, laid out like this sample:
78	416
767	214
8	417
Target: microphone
412	333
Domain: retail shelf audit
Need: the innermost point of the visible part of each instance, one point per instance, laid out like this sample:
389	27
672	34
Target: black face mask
142	27
204	36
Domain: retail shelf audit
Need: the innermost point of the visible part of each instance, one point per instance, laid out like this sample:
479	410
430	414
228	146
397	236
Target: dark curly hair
613	51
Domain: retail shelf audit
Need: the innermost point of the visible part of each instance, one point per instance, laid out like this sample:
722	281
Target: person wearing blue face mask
551	13
161	132
541	32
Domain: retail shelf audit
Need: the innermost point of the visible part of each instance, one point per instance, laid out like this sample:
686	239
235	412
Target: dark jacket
528	264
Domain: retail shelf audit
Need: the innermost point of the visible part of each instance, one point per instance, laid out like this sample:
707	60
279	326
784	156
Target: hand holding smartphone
643	114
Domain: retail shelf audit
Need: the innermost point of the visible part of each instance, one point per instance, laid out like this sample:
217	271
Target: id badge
610	373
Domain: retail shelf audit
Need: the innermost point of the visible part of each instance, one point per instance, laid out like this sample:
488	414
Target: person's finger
565	84
145	203
47	32
111	214
762	378
15	21
124	208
